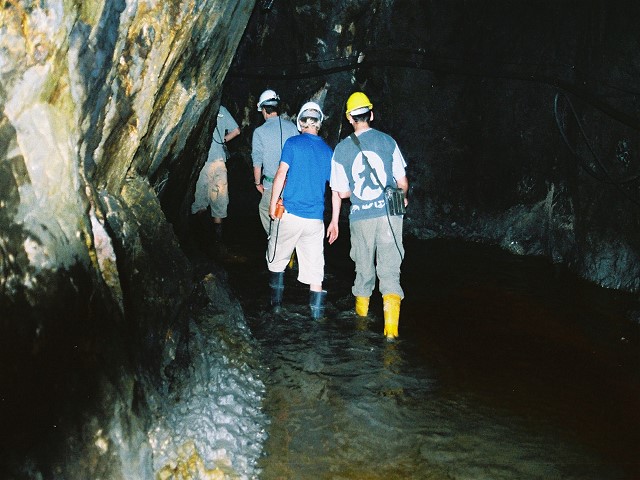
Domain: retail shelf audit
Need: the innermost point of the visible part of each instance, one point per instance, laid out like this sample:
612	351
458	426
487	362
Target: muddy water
507	368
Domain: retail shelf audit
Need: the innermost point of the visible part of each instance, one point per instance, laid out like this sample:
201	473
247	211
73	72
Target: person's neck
359	127
271	115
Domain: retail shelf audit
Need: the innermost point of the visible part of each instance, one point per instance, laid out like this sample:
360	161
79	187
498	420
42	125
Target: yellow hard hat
358	103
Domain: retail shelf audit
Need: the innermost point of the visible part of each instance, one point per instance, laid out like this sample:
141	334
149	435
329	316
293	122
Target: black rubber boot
316	303
217	232
276	282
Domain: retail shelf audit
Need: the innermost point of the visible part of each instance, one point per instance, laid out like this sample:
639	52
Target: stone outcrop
98	102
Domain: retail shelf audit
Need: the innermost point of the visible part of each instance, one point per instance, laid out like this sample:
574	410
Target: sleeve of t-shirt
338	181
287	153
257	149
228	122
399	164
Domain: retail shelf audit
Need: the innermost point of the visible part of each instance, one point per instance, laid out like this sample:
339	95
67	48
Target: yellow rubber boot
391	306
292	260
362	306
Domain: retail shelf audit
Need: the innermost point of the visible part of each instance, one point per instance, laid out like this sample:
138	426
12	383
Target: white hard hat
310	110
268	97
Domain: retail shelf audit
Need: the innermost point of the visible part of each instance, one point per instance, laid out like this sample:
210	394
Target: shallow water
507	368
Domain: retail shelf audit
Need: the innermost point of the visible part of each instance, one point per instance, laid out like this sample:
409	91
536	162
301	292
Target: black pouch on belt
395	200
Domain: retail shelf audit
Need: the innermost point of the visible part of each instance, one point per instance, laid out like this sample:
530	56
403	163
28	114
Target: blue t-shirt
309	160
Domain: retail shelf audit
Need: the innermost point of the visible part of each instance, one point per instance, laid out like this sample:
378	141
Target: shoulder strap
356	140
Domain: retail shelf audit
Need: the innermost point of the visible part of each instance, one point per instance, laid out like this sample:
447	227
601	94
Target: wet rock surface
107	112
97	103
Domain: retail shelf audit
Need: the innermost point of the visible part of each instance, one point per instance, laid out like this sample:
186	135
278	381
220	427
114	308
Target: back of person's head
362	118
268	98
269	109
310	115
359	107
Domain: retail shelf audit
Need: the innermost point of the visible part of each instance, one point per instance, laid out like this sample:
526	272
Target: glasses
314	114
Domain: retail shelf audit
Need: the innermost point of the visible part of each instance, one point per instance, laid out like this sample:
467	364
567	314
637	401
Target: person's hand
332	232
260	187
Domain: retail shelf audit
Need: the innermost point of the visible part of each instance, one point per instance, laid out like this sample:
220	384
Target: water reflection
506	369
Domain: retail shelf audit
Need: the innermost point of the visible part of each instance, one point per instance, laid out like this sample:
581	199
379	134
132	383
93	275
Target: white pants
304	235
212	189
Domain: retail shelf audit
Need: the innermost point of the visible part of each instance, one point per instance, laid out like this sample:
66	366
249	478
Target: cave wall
98	102
519	120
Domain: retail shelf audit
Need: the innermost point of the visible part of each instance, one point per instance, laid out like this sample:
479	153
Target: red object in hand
279	208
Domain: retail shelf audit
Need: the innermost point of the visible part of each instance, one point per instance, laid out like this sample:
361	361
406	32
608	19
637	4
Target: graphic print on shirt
366	186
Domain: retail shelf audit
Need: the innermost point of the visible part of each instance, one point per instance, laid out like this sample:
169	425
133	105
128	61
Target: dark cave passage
124	350
507	367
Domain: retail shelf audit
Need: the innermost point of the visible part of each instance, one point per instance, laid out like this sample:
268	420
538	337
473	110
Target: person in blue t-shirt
301	180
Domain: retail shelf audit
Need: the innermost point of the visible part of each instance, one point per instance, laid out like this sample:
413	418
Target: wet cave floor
506	368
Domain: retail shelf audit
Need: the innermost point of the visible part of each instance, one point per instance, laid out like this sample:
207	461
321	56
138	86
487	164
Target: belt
268	179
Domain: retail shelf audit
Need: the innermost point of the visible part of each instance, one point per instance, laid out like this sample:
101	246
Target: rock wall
98	102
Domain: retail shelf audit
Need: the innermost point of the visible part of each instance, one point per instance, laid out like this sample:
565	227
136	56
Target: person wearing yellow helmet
358	103
363	166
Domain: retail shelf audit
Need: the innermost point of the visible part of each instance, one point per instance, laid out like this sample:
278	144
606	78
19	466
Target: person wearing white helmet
212	189
363	166
301	180
266	147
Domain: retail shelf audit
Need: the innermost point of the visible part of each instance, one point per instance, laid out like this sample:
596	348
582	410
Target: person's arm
257	176
336	204
257	155
232	134
278	186
339	190
399	173
403	183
